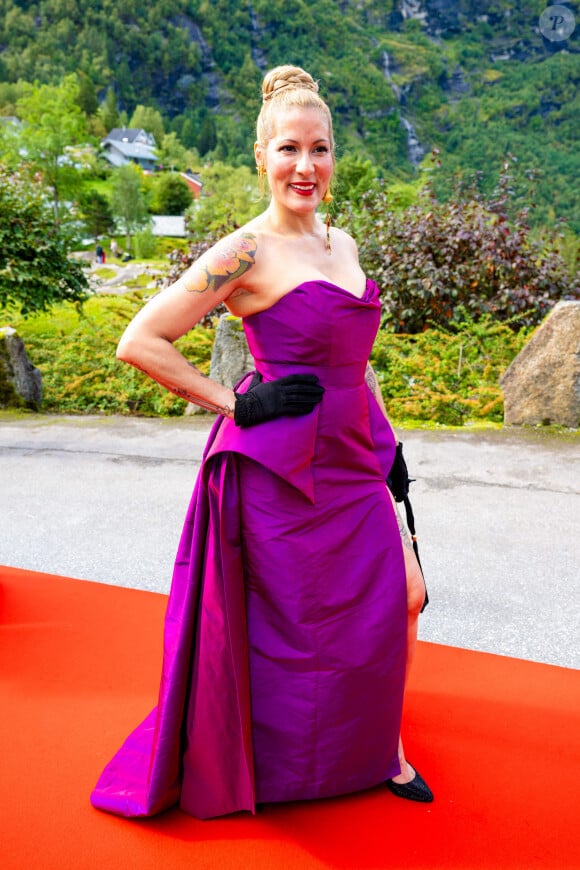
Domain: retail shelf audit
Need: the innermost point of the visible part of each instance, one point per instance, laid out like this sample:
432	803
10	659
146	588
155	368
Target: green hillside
474	79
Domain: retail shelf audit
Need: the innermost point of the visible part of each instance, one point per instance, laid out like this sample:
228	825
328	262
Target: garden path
124	277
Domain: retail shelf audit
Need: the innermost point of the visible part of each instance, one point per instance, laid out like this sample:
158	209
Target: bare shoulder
345	240
224	263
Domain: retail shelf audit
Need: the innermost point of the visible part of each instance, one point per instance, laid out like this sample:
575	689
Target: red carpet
496	738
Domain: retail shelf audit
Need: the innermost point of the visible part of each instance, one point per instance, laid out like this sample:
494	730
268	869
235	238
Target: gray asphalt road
497	514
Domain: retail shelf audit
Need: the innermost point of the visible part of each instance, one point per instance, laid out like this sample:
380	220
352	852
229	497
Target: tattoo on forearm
371	379
227	262
405	536
203	403
225	410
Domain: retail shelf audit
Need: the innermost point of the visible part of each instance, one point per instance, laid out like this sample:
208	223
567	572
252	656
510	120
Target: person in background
293	611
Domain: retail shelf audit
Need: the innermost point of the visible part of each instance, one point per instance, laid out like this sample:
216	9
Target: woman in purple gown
293	609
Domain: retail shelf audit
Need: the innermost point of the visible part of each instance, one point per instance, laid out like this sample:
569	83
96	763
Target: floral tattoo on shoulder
228	261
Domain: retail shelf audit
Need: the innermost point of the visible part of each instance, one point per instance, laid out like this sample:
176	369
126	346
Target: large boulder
20	381
542	385
231	357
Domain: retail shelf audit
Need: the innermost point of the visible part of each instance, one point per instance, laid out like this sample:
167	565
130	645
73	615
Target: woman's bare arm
373	385
147	343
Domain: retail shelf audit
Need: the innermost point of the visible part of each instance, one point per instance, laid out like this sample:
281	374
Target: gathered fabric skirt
284	648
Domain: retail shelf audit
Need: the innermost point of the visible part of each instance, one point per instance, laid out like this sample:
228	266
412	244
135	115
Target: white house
172	226
128	145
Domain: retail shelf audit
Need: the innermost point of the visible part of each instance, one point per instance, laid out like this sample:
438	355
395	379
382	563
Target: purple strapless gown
285	633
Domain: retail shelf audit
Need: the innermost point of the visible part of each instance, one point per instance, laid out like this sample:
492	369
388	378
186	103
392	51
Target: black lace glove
398	480
292	396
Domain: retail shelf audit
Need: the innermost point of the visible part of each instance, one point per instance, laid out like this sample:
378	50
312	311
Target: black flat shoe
415	790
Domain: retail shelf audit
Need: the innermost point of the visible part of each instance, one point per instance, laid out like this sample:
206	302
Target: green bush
434	260
80	372
171	195
447	376
145	244
440	376
35	269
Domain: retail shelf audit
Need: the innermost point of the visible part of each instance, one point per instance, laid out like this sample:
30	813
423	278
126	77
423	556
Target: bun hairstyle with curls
286	87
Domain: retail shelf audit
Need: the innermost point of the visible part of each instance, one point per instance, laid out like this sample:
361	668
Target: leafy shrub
434	260
445	376
145	244
80	372
35	269
171	195
448	376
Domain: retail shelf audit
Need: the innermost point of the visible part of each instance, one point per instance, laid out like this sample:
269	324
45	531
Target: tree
171	194
128	202
147	118
353	177
230	197
109	111
87	97
95	212
207	136
52	121
172	154
9	95
35	269
188	135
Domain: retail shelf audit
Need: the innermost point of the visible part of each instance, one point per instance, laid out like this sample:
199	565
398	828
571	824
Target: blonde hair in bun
285	87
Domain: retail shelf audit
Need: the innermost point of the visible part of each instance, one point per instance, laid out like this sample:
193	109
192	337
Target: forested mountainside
474	79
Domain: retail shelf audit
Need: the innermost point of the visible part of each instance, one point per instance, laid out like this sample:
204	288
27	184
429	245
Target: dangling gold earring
261	176
327	199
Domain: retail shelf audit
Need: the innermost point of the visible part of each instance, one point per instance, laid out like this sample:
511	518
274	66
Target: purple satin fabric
285	634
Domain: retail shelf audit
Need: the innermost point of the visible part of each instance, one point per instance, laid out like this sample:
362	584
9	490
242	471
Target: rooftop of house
131	135
132	150
192	180
168	225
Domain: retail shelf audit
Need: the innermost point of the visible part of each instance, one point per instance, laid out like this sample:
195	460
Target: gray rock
443	17
440	16
230	358
542	385
20	381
